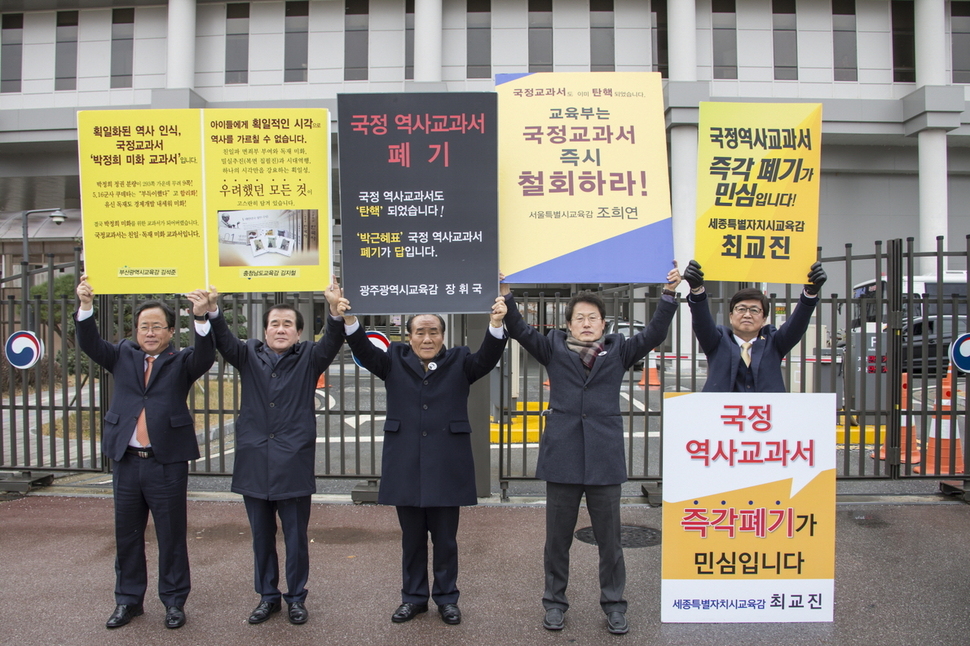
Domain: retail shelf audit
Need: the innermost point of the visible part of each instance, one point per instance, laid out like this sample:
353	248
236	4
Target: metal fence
894	420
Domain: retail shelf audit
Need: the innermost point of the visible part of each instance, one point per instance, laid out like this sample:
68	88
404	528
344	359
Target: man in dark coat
746	357
581	451
276	441
149	435
427	470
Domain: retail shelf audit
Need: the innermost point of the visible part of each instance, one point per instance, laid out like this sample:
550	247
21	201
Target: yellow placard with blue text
176	200
583	183
758	172
748	508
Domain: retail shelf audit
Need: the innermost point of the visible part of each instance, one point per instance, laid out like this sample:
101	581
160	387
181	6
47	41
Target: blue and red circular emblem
379	340
23	349
960	352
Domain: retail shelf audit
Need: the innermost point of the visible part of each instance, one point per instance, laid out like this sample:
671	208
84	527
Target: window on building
237	42
602	39
784	39
724	21
658	18
65	51
479	34
11	52
355	40
844	40
409	39
960	33
904	42
122	46
540	35
296	34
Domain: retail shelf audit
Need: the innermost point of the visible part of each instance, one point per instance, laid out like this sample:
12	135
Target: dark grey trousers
562	509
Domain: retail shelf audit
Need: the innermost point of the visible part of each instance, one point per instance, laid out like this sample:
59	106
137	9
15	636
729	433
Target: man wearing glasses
581	451
149	435
746	357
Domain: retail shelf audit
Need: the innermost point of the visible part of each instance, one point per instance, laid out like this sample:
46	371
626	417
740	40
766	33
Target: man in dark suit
746	357
427	469
581	451
149	434
276	443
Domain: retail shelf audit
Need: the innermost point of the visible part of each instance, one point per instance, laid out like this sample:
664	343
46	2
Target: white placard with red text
748	508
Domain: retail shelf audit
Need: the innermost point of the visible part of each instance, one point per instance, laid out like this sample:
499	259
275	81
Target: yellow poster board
584	194
758	171
176	200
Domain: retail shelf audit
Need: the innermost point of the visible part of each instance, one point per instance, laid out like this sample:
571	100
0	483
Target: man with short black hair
149	435
746	357
581	452
276	441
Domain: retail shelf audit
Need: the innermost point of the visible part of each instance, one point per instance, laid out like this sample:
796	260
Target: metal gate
883	351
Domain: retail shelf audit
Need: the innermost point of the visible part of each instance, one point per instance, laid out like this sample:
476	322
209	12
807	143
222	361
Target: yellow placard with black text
176	200
758	172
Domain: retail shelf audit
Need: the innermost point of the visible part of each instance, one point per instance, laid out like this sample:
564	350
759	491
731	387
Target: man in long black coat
276	441
427	469
581	451
149	435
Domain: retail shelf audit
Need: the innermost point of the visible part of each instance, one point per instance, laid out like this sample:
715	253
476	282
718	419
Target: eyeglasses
741	309
592	318
154	328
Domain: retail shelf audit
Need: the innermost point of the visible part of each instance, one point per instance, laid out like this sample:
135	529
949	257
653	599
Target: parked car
929	339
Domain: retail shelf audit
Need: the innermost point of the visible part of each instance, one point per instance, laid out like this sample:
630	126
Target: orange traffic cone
909	452
939	441
322	381
650	373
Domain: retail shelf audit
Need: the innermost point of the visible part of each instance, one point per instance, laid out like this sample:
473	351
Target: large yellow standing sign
176	200
758	171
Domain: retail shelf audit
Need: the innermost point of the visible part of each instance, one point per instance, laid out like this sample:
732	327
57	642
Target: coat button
425	382
272	435
584	415
424	433
274	375
425	407
272	405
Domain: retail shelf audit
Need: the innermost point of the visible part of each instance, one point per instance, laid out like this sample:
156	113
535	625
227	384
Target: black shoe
174	617
262	612
555	619
298	613
450	614
408	611
123	614
616	623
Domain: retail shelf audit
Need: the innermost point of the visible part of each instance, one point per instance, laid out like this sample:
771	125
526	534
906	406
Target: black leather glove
816	278
693	275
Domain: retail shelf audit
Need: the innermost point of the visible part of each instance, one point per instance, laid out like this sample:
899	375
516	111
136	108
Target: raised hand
85	293
816	278
499	309
693	275
200	301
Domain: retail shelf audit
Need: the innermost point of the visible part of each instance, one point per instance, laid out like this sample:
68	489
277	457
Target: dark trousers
562	510
142	485
416	524
294	516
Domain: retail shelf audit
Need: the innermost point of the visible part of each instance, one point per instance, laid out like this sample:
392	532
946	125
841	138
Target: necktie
746	353
141	426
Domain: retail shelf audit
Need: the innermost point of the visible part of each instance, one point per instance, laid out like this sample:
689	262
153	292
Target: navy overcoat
276	429
583	438
427	458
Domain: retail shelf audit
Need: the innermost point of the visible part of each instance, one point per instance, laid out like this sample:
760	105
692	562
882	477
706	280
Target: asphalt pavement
899	576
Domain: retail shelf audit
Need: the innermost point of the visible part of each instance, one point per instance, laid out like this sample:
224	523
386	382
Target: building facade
892	76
